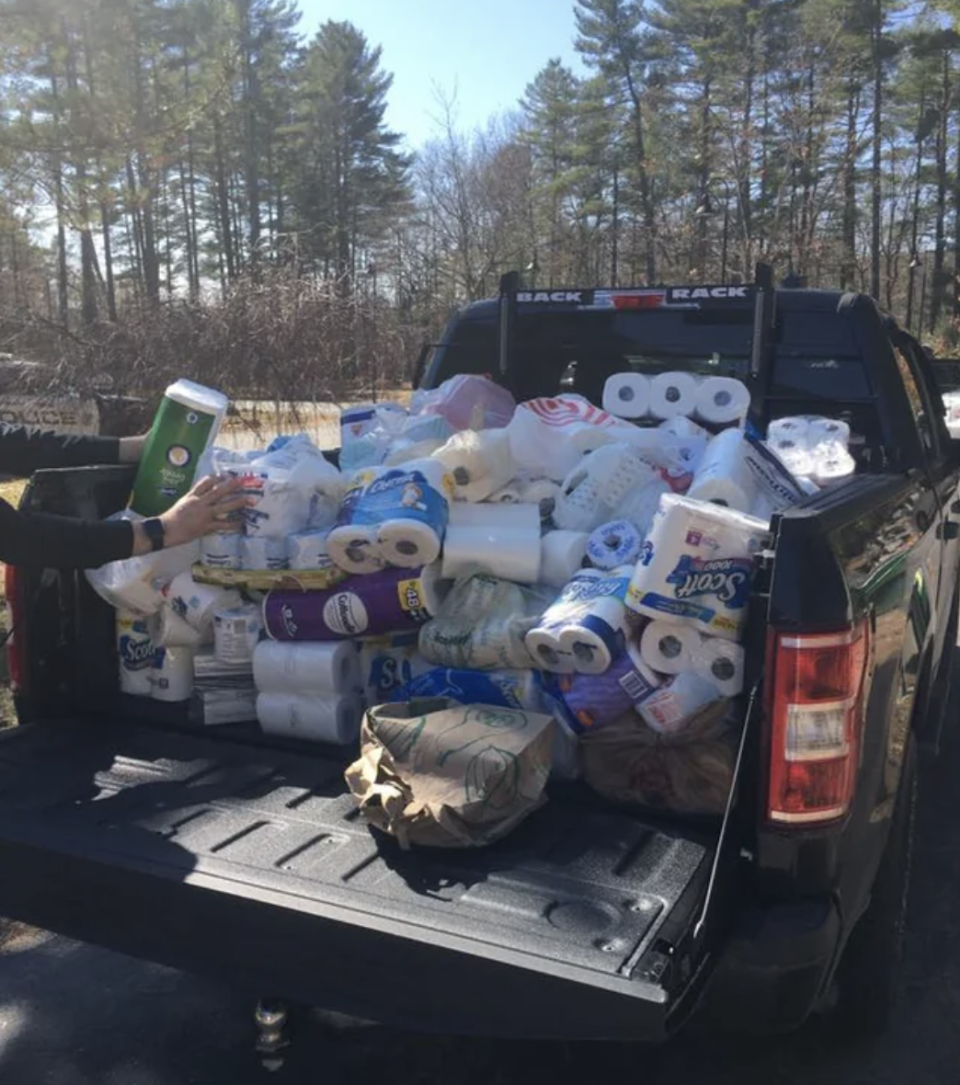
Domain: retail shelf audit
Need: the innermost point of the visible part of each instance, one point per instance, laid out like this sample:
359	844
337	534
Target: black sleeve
23	451
61	542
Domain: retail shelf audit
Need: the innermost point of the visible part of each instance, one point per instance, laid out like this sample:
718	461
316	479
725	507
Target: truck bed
251	863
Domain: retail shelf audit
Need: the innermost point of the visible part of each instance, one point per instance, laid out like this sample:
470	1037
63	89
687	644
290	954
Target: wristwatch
155	533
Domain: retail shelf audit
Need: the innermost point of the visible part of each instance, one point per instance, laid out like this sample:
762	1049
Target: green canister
185	427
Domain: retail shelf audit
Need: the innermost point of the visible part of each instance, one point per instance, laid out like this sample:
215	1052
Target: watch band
155	533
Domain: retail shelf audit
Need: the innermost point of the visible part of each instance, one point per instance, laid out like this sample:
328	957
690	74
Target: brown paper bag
441	774
690	772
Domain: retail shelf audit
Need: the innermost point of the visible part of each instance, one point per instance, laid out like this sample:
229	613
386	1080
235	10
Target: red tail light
814	711
16	636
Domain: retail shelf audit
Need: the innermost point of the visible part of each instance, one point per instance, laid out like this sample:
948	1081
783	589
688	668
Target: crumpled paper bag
690	772
439	774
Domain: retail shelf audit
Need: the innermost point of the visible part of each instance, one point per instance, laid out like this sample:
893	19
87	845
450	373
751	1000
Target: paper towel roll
672	394
262	552
171	678
322	718
615	543
596	700
720	662
627	395
236	632
723	477
169	630
722	400
135	649
306	668
697	566
308	550
385	602
561	555
195	603
221	550
669	709
669	647
503	539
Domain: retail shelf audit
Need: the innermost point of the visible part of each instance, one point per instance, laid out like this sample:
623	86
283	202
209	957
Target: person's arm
23	450
61	542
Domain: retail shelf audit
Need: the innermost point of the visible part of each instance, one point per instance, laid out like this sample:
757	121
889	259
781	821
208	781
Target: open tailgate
250	863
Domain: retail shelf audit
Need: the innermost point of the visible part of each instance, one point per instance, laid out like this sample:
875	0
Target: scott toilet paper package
697	566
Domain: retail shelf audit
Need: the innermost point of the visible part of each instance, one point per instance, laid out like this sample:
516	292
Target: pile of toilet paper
591	562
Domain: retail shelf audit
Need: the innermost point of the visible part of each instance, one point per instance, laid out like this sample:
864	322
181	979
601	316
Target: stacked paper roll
236	632
312	718
721	663
722	400
307	668
196	603
697	566
135	648
503	539
221	550
723	477
627	395
669	647
264	552
308	551
171	678
169	630
561	555
673	394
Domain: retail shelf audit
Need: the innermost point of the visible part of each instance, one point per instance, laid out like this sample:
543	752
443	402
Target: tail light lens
814	708
16	636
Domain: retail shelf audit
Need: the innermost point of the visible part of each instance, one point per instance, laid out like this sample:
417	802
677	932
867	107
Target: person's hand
131	448
206	509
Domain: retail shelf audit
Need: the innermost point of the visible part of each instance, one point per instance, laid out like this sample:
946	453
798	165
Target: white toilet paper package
739	472
326	718
697	566
813	446
389	662
482	623
398	517
583	631
504	539
135	650
438	774
479	463
688	773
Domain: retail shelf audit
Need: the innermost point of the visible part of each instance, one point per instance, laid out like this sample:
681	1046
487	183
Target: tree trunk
223	203
88	251
940	227
107	242
63	285
848	268
876	170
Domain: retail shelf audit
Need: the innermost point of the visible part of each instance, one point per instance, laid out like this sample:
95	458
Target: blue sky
488	51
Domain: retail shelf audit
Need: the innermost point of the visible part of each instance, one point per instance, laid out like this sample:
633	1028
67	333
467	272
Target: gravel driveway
74	1015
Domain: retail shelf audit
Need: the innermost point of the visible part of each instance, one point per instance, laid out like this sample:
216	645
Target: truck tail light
16	633
814	713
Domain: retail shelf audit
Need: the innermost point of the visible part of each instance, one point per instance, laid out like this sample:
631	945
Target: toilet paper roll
385	602
479	464
169	630
409	544
542	492
722	400
355	548
720	662
171	678
793	429
724	477
561	555
221	550
509	495
328	719
195	603
236	633
307	668
583	630
682	427
615	543
669	647
673	394
503	539
830	463
593	701
308	550
262	552
828	431
793	455
697	566
627	395
670	709
135	649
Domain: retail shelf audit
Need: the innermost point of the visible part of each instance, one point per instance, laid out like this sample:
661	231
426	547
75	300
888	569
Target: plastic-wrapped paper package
599	488
506	689
136	584
466	402
363	418
482	625
479	463
135	649
687	773
389	662
549	436
812	446
503	539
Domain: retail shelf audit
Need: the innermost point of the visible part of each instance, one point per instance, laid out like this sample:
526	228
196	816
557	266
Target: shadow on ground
74	1015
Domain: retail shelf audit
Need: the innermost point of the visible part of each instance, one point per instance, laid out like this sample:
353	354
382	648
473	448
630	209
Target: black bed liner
252	864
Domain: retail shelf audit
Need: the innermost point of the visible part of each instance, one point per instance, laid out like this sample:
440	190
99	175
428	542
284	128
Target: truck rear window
816	355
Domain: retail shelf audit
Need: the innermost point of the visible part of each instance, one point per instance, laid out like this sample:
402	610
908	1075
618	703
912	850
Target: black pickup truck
227	853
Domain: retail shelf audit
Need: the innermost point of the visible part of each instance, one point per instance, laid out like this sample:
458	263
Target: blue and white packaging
615	543
136	650
506	689
697	566
583	631
389	663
